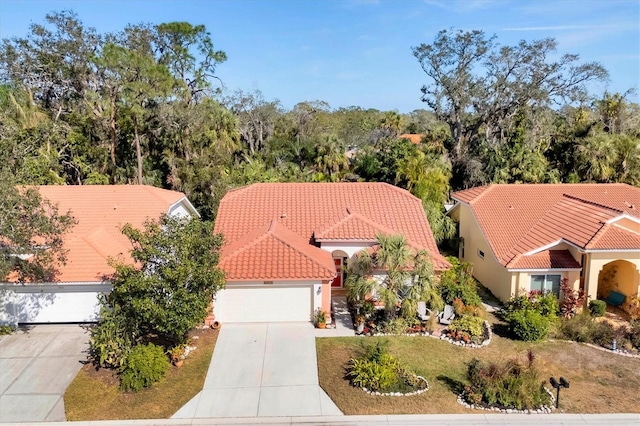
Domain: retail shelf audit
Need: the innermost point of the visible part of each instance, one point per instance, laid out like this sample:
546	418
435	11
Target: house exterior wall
628	278
349	248
182	209
487	270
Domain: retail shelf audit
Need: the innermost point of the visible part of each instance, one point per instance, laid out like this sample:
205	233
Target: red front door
337	281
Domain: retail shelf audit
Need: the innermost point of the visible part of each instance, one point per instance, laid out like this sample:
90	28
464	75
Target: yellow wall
623	277
488	271
502	283
595	262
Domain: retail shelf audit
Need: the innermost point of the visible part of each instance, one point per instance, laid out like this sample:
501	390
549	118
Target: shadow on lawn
454	385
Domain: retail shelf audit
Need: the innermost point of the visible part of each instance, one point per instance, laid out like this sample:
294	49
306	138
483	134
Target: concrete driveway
36	366
262	370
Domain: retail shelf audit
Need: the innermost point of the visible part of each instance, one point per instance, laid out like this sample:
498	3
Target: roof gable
273	252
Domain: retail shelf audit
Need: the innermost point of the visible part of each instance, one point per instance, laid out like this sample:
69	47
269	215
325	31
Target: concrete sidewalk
385	420
262	370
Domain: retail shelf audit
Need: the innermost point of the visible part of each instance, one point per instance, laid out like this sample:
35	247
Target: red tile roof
548	259
273	252
100	212
520	218
415	138
329	211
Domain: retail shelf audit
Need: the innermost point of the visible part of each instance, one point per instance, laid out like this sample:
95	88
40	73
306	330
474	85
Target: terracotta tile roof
548	259
612	237
334	211
100	212
273	252
415	138
519	218
352	226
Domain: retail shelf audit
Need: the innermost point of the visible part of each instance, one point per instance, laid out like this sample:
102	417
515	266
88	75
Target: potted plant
177	355
321	318
359	323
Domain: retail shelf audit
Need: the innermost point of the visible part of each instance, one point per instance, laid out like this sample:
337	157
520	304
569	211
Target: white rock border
488	332
418	392
545	409
621	352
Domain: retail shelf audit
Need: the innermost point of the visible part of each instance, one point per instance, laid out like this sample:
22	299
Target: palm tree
408	275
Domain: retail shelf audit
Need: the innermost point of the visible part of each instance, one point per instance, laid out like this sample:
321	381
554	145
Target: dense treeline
144	105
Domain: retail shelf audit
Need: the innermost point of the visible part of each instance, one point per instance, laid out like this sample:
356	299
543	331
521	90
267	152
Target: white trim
343	241
455	206
637	250
623	216
188	204
553	244
544	270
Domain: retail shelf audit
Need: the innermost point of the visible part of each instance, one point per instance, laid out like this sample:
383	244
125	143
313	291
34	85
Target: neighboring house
287	245
531	236
414	138
100	212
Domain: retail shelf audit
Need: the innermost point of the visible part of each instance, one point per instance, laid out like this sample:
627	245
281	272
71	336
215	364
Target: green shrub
145	365
578	328
602	333
528	325
634	334
110	340
379	371
597	308
395	326
5	329
458	283
512	385
469	326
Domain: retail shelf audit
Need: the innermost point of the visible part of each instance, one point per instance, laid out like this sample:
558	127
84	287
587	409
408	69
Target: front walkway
262	370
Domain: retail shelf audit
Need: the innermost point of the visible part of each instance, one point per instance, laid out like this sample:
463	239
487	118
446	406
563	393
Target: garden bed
94	393
486	338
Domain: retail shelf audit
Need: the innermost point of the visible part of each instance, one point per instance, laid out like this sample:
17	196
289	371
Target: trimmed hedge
597	308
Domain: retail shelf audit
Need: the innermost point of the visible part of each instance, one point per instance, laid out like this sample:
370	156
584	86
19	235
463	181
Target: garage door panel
260	304
46	305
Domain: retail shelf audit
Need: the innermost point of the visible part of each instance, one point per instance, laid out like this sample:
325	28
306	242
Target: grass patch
94	394
600	382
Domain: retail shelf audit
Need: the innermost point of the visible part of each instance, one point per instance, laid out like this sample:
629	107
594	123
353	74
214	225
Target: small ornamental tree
572	300
169	289
32	232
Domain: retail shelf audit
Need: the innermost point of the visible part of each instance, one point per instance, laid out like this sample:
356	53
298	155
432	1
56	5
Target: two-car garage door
264	304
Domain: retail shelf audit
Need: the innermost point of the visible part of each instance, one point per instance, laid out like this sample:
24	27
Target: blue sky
358	52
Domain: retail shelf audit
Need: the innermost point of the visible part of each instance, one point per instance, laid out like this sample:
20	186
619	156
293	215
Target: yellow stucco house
522	237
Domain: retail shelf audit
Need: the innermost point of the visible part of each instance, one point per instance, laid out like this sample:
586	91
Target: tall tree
478	84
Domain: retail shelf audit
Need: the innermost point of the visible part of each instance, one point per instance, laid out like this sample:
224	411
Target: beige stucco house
523	237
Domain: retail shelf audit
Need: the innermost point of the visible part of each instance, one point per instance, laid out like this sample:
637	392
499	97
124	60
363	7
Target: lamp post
563	383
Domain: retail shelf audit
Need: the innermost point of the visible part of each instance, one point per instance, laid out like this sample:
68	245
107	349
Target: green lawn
94	395
600	382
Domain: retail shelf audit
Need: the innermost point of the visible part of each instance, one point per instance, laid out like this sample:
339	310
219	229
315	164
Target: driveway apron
262	370
36	366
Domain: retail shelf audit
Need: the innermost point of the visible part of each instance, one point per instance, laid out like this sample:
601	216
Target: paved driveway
36	366
262	370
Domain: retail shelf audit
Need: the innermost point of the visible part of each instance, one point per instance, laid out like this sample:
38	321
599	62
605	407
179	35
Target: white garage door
50	304
258	304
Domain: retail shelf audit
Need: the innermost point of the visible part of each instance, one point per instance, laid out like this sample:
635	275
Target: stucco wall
487	270
349	248
595	262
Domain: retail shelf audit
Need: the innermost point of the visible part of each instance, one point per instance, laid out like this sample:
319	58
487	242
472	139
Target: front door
337	281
